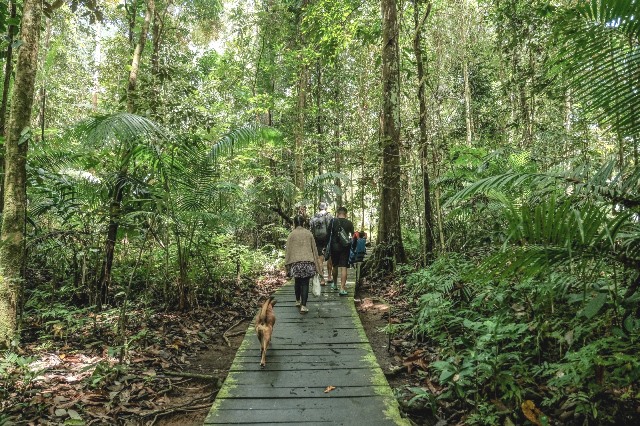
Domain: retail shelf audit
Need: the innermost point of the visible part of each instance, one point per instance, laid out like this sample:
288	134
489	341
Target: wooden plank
279	341
339	411
240	392
298	365
311	346
276	378
300	354
318	333
324	402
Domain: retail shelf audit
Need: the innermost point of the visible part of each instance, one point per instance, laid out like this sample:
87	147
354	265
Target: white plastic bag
315	286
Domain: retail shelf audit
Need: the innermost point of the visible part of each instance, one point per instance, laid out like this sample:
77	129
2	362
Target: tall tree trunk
8	70
117	193
426	186
303	77
157	33
15	191
391	249
137	55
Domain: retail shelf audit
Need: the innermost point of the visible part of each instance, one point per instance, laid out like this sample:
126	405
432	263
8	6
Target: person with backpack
340	246
358	248
319	227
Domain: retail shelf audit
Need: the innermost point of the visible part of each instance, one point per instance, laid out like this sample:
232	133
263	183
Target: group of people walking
330	239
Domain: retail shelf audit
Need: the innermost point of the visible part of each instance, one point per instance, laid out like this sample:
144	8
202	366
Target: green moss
378	380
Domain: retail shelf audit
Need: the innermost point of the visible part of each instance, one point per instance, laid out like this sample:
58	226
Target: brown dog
265	320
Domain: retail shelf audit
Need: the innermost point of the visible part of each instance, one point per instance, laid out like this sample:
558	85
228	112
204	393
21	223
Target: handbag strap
331	233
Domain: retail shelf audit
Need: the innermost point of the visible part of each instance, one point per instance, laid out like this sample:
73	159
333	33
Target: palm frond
242	136
617	186
327	177
120	127
557	234
561	224
599	55
502	182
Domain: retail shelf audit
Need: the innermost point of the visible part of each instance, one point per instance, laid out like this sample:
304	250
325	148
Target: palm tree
587	218
177	175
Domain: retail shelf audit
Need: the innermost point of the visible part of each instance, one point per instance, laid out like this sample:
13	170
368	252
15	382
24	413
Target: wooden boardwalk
325	347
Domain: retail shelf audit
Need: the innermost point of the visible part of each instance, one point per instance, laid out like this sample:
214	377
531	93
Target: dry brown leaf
531	412
416	359
329	389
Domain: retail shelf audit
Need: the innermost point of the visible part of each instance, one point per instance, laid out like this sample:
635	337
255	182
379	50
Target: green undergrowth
552	340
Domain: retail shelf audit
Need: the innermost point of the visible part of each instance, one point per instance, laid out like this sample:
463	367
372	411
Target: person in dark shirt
339	252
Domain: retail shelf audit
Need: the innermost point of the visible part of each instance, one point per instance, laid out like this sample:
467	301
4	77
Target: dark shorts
340	257
321	245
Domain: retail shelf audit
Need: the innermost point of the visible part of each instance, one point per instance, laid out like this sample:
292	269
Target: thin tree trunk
137	55
319	128
467	102
338	162
428	214
97	57
389	232
440	221
567	111
43	111
532	97
16	148
299	138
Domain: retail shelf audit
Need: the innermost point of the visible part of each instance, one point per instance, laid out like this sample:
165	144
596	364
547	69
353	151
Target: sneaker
343	292
297	303
333	286
303	309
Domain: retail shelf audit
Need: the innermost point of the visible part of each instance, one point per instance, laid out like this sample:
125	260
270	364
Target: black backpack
318	225
342	238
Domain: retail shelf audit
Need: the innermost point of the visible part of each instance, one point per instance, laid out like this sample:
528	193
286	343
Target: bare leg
343	278
321	269
330	269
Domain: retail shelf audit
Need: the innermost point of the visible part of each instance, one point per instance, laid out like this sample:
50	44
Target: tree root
226	334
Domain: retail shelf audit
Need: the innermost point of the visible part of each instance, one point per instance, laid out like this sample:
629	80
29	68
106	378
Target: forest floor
175	364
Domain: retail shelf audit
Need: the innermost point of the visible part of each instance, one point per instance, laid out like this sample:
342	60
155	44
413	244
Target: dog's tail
265	306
